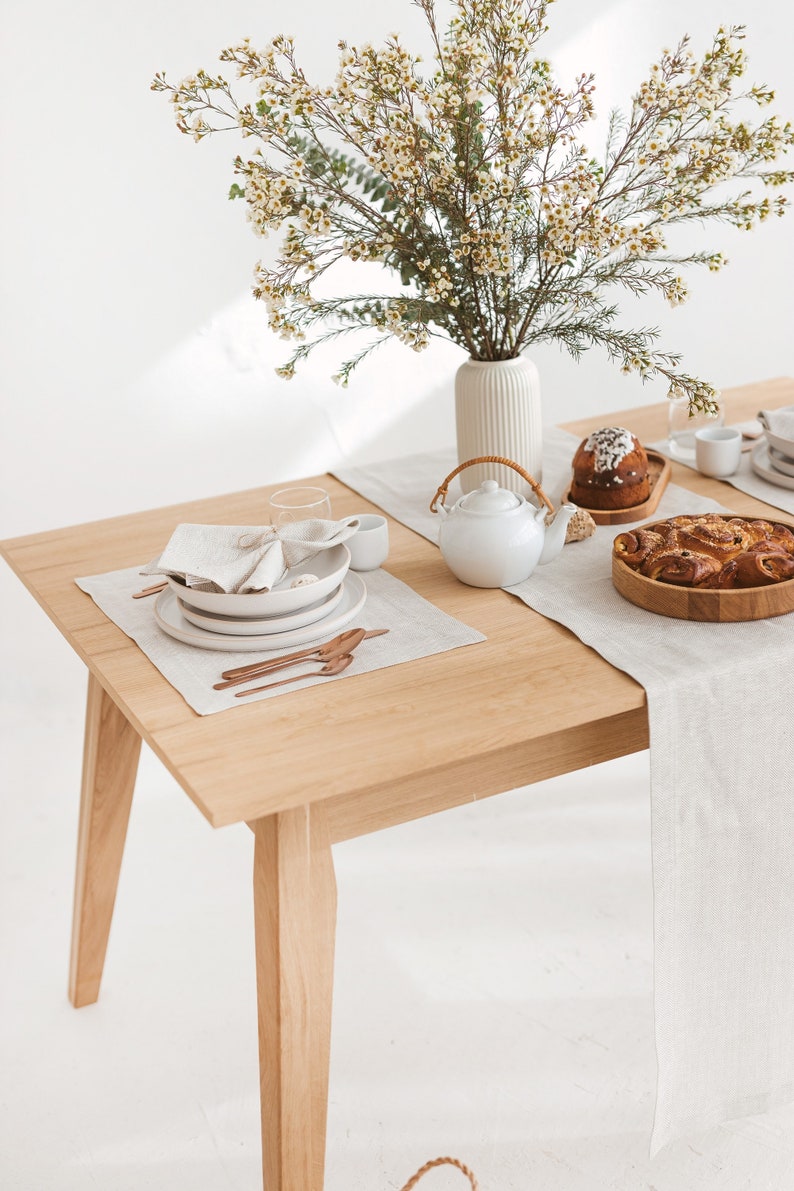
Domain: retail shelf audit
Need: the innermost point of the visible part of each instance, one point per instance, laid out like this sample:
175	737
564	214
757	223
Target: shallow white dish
170	619
253	626
330	566
784	445
762	465
781	462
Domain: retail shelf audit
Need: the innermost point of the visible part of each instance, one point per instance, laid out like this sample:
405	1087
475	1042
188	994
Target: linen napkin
779	421
245	558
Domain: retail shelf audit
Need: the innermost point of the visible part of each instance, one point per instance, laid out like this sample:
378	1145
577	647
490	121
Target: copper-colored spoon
335	666
318	651
346	643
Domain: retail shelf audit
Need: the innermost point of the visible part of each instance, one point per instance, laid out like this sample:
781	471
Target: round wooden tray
688	603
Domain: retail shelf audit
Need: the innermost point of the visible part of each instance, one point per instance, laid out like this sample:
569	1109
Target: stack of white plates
315	599
773	458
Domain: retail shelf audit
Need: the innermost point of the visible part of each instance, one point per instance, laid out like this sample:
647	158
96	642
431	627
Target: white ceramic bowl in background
781	462
762	466
784	445
258	626
330	566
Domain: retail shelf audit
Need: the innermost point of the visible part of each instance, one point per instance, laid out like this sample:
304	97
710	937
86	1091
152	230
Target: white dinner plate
258	626
170	619
761	464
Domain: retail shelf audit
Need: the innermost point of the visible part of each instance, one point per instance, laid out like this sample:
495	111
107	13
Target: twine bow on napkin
245	558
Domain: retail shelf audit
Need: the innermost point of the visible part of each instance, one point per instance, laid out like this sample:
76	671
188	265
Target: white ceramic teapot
495	538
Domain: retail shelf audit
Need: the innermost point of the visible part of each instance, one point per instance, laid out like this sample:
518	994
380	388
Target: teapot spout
554	539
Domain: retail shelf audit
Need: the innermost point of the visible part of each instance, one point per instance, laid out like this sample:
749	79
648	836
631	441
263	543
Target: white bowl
781	462
330	566
784	445
258	626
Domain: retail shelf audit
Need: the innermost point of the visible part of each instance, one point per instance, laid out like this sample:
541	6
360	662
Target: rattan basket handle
441	494
440	1162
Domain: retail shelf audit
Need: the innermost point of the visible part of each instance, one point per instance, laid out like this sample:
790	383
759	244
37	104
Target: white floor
492	1001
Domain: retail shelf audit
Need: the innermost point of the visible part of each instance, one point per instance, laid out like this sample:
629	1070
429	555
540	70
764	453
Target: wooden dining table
331	762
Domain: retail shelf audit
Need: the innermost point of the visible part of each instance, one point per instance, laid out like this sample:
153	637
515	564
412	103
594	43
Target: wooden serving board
688	603
658	475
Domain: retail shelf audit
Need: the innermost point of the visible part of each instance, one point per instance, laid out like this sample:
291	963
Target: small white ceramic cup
369	545
718	450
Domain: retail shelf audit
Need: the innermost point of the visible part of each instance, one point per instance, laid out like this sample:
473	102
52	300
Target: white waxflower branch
472	182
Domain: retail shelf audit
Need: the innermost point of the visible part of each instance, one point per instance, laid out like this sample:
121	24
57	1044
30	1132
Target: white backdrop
137	369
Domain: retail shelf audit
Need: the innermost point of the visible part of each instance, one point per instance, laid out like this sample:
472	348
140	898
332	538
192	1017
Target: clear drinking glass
681	427
299	504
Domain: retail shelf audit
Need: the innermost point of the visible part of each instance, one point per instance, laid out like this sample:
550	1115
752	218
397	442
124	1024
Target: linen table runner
720	700
416	629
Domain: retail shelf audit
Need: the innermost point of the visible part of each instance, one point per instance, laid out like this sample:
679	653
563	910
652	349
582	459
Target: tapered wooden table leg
110	763
295	923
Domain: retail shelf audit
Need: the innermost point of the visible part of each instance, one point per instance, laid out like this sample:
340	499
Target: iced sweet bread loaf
610	470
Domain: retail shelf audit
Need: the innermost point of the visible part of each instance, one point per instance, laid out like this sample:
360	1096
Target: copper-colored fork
335	666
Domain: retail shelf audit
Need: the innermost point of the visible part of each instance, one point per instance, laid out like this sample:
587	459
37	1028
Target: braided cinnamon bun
756	568
750	532
720	539
635	546
722	580
783	535
682	567
710	551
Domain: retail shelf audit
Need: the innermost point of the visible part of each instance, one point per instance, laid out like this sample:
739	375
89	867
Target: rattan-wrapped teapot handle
441	494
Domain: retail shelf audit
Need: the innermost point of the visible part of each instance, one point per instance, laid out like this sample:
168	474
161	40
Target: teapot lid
490	498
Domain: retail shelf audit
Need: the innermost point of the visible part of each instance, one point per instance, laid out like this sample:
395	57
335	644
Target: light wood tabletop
330	762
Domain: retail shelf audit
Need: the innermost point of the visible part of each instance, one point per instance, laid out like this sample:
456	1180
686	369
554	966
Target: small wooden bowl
689	603
658	475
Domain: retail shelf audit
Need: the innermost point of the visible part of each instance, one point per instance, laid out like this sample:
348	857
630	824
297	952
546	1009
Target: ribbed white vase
497	412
